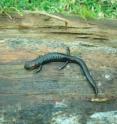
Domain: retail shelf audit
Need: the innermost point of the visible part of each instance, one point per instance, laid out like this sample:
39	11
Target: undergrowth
84	8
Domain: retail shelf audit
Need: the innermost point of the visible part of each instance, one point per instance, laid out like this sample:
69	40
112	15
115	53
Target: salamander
37	63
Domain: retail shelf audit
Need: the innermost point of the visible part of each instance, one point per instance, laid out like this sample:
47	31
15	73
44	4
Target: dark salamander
60	57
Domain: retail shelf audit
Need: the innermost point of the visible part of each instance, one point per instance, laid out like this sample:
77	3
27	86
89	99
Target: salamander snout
29	65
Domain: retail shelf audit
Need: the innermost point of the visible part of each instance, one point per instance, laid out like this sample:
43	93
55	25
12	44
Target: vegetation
84	8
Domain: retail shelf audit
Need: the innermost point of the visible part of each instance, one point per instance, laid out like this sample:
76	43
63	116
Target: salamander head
30	65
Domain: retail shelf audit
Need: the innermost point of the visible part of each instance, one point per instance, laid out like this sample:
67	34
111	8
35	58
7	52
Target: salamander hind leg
65	64
67	51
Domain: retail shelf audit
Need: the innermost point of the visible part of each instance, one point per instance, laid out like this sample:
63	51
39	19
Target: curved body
60	57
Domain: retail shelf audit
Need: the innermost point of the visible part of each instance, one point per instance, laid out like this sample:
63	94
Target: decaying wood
25	37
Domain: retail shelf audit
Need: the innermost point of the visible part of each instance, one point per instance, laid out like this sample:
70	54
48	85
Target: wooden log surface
25	37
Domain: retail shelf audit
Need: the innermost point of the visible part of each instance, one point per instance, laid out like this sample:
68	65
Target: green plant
84	8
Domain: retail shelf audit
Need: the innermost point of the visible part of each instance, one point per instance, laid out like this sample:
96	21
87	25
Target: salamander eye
33	65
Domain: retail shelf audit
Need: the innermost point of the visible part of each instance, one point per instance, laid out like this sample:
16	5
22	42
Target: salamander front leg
65	64
38	69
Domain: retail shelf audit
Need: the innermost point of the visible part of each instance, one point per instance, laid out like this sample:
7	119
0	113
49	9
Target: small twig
56	17
10	17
